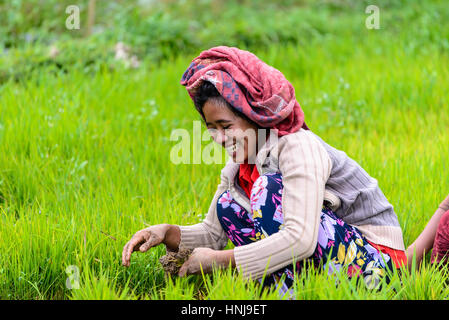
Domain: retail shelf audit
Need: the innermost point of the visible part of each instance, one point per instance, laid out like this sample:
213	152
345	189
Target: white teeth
232	149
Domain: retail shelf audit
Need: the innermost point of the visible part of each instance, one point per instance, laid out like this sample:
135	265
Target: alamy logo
240	145
373	20
73	279
73	20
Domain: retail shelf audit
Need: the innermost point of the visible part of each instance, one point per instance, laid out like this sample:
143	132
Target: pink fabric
441	243
254	88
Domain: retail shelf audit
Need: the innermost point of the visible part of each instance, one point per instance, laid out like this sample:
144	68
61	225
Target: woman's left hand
205	259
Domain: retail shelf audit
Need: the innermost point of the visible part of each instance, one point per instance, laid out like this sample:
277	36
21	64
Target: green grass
84	163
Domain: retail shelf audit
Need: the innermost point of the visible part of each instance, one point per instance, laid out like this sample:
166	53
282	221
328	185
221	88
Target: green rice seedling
85	158
99	287
230	285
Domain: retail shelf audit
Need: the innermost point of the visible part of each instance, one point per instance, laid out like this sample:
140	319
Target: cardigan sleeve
209	232
305	167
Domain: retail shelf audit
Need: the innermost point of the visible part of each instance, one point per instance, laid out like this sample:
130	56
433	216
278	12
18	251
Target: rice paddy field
85	140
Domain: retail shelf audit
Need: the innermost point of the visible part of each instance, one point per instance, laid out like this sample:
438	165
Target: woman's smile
233	149
237	136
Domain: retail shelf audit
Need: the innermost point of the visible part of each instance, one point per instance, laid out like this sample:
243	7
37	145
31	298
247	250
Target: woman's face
235	134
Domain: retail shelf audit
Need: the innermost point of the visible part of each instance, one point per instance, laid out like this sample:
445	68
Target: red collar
247	175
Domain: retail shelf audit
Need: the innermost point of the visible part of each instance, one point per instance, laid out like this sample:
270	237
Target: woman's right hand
150	237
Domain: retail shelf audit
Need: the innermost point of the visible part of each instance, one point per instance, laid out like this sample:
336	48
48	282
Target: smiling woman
290	200
227	126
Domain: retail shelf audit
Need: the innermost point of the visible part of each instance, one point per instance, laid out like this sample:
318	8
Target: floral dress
339	244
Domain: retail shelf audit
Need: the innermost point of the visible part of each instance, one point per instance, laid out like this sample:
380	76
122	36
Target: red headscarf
248	84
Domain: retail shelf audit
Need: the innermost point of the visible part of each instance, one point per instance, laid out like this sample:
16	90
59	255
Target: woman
284	201
435	235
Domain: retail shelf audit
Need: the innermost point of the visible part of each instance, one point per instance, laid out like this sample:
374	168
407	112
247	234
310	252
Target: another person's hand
151	237
204	259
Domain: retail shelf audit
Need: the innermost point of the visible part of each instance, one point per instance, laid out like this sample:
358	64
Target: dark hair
208	91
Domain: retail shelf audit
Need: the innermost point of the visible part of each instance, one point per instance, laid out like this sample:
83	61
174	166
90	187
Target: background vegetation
85	127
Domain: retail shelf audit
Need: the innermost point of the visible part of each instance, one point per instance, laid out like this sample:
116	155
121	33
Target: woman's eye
227	127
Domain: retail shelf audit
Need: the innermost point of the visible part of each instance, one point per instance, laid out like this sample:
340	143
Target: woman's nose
220	136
